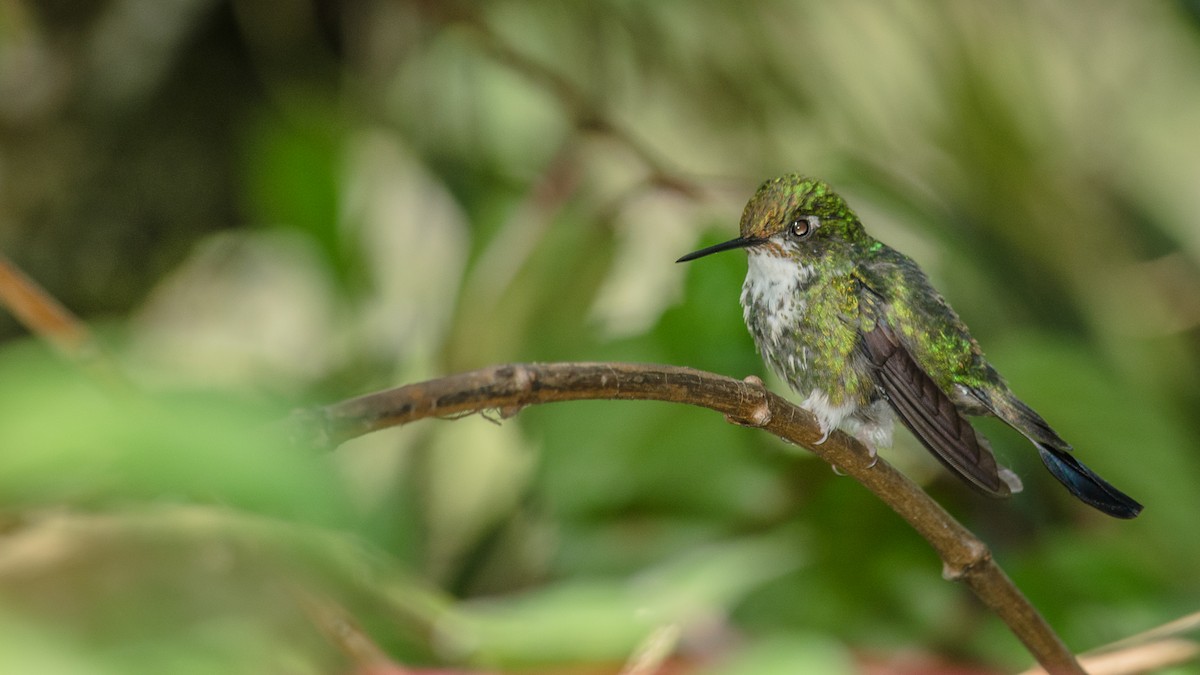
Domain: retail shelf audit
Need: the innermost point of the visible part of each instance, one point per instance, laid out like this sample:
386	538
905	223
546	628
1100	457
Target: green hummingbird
855	328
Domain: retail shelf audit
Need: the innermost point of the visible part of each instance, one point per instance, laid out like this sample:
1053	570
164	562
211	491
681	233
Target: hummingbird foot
829	415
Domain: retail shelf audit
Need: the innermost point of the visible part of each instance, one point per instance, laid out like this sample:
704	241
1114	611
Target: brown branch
342	630
40	313
509	388
46	318
1170	644
1150	657
653	652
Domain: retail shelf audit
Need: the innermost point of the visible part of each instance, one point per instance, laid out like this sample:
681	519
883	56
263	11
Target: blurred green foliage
266	205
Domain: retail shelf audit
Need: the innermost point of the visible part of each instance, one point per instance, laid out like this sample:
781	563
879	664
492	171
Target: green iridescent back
929	328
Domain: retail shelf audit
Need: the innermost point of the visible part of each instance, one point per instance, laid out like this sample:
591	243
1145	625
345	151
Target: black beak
740	242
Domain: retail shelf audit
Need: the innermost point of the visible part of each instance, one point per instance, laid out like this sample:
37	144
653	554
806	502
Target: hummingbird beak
740	242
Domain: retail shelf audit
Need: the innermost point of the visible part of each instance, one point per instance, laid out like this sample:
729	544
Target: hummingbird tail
1056	455
1086	485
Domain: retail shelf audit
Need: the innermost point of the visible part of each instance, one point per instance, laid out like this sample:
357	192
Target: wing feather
930	414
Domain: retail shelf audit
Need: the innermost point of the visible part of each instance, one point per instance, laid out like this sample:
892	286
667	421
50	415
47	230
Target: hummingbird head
793	216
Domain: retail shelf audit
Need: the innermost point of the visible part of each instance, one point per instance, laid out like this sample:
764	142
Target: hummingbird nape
855	328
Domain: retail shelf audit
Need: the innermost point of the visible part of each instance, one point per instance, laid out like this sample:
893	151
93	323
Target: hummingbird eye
804	226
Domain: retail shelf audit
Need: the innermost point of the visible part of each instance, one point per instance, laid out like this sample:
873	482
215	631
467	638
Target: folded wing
931	416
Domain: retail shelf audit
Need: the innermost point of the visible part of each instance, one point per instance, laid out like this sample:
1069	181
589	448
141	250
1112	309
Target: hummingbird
856	329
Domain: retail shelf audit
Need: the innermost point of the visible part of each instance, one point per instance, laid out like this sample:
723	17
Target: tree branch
45	317
41	313
581	108
1171	644
508	388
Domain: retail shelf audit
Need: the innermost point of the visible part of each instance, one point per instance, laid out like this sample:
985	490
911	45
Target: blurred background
260	206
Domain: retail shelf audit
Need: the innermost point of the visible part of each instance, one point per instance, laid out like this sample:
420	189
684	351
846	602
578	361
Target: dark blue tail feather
1086	485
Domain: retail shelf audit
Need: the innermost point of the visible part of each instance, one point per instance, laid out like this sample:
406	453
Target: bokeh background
260	206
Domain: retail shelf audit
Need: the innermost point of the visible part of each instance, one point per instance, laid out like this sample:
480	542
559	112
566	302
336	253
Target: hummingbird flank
855	328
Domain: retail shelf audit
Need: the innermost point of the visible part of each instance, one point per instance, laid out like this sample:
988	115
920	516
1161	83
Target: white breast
772	289
773	305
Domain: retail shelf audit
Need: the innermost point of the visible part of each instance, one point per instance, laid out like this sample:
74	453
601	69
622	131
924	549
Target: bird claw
874	455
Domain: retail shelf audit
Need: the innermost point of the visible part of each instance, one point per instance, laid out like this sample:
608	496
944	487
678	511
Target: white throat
773	284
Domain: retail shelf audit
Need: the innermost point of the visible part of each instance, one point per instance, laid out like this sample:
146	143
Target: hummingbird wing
898	303
930	414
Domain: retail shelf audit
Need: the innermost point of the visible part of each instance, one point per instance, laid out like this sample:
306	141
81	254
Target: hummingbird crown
804	207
